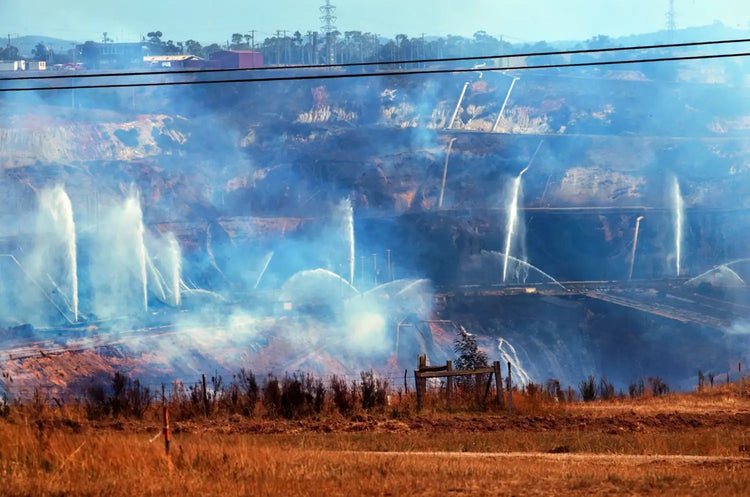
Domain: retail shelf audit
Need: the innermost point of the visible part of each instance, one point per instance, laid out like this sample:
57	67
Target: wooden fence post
510	390
419	382
487	389
739	367
423	380
419	390
423	371
499	383
205	395
449	383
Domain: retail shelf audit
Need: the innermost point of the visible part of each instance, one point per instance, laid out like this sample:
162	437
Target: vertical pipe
166	429
390	273
445	172
505	102
458	105
635	244
165	409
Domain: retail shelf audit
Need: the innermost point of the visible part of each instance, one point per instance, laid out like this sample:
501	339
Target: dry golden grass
116	463
691	444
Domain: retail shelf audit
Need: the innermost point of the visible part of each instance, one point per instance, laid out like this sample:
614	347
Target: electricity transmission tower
327	20
671	17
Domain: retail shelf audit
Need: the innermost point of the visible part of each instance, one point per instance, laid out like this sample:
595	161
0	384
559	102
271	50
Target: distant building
235	59
12	65
169	61
36	65
111	55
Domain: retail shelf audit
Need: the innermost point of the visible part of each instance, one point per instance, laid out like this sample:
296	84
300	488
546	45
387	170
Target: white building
12	65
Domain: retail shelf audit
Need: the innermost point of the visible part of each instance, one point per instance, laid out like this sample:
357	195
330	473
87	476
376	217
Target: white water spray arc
678	214
56	204
348	214
175	266
134	217
509	355
512	210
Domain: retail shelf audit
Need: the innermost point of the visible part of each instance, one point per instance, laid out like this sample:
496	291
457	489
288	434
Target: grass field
689	444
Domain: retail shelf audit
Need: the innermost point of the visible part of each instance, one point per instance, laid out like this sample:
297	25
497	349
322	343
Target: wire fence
395	382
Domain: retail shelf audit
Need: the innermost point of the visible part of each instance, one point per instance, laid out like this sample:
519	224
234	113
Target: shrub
293	401
118	401
374	391
138	399
186	402
533	389
656	386
315	392
96	402
636	389
553	390
272	396
588	389
129	398
570	395
245	392
195	400
217	392
343	399
606	389
4	406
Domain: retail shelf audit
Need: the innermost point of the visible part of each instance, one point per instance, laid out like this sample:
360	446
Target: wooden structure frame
424	371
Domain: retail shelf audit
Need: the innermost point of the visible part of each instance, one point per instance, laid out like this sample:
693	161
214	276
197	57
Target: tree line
312	47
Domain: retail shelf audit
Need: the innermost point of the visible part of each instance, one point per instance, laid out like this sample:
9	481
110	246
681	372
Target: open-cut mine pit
331	228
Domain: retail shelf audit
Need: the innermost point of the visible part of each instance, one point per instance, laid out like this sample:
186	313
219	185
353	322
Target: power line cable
386	63
379	74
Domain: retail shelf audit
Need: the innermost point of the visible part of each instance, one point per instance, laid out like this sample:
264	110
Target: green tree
213	47
169	48
468	354
598	42
192	47
40	52
404	45
238	42
88	54
155	45
9	53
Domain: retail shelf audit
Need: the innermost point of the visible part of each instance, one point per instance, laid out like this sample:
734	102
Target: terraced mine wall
251	170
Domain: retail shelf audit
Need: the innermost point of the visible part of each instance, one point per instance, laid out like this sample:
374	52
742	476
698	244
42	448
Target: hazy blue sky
215	21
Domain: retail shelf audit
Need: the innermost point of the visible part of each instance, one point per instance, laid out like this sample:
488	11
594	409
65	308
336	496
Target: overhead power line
385	63
380	74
